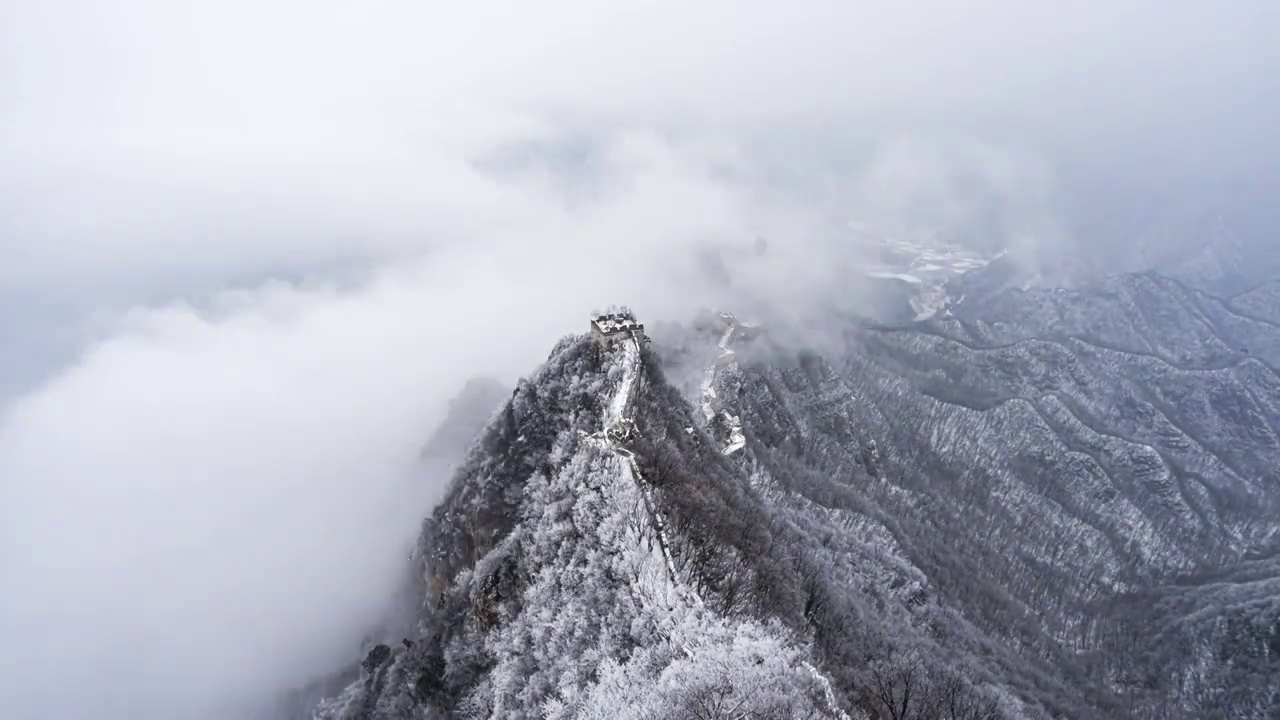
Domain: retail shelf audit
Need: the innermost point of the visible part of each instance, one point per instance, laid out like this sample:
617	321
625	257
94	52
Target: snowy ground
707	392
927	266
710	402
630	371
616	413
737	440
657	587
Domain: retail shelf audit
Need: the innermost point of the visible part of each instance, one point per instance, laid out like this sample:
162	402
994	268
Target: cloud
214	503
250	251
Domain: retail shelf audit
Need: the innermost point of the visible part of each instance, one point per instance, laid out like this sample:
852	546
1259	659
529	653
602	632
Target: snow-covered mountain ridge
1050	504
550	587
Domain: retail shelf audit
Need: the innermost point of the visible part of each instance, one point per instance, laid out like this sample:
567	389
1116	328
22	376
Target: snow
827	693
886	275
630	362
737	440
664	544
630	370
928	302
708	394
927	266
724	339
674	608
601	550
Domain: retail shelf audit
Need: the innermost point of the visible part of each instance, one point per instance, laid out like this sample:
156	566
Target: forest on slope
1045	457
1048	504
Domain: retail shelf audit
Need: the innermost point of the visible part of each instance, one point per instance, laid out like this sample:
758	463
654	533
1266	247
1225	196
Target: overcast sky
249	250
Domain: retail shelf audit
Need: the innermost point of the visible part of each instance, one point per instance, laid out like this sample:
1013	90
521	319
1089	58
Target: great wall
618	427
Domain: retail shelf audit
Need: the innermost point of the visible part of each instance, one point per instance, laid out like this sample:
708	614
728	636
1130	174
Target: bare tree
957	700
897	687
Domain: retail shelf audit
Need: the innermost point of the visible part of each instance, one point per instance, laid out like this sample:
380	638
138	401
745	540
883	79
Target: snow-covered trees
927	526
733	671
556	597
905	687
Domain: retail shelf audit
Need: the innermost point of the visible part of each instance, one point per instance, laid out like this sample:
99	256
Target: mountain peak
953	516
550	581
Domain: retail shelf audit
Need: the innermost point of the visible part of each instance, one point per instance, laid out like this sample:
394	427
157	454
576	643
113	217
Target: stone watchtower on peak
609	327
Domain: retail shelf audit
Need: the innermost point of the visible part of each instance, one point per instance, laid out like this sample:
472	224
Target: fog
249	251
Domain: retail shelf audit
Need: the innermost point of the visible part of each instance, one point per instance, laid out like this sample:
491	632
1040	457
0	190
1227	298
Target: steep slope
548	591
468	415
1206	646
1033	462
1052	503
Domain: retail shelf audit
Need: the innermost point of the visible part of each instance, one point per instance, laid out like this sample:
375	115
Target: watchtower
609	327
